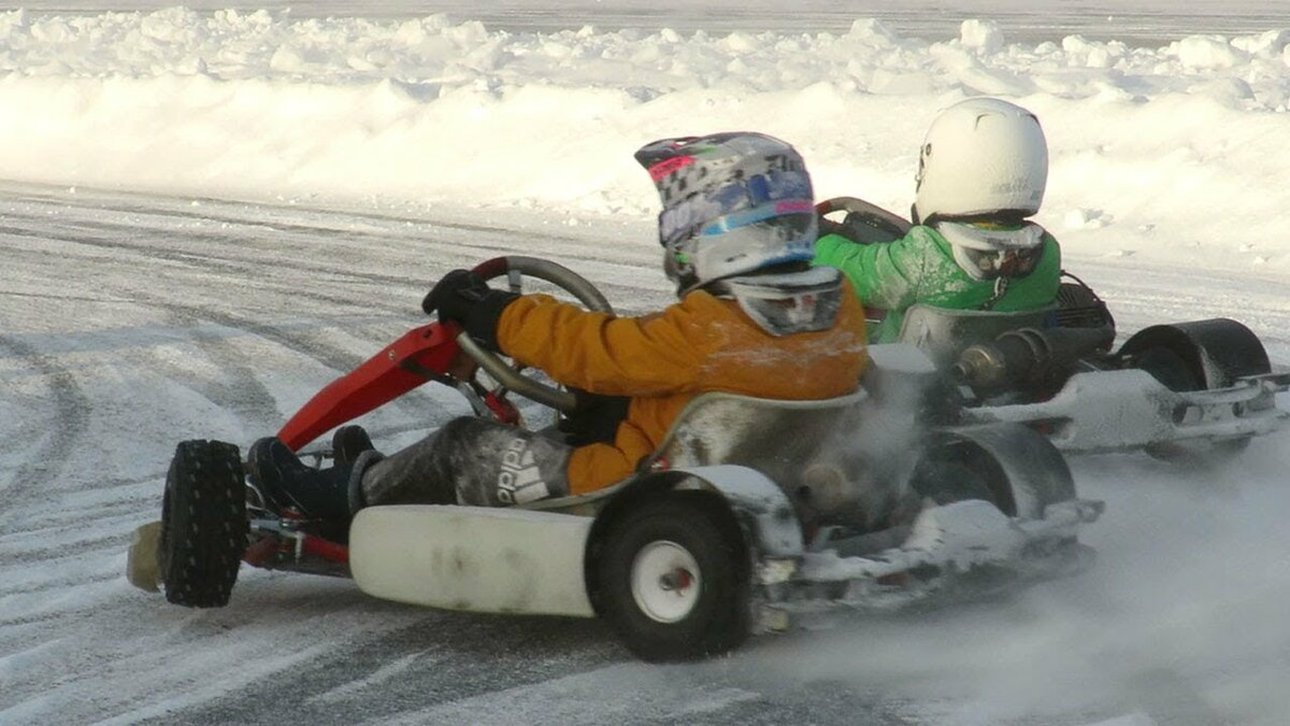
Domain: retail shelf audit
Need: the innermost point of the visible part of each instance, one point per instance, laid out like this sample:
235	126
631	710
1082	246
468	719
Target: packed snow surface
208	214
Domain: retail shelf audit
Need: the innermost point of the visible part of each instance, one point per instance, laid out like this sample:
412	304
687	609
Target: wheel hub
665	581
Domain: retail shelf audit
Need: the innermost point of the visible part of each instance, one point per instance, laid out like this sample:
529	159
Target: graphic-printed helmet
733	203
981	157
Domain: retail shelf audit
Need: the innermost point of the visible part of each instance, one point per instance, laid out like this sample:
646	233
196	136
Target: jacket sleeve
600	353
885	275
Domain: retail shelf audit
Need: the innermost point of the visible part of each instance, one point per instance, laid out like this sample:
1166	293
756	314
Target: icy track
130	323
372	156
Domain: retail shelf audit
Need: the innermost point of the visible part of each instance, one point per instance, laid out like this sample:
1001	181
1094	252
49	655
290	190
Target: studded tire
673	579
203	524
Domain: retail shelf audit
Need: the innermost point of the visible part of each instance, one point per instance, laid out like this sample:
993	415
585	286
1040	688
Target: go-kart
751	516
1193	391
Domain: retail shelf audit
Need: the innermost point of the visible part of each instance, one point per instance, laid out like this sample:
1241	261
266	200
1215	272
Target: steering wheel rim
871	214
514	268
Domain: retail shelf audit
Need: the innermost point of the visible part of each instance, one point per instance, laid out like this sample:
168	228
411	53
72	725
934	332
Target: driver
982	170
754	318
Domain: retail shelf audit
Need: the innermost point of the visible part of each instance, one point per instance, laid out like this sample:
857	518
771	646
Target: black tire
1173	371
203	524
957	471
1170	369
1009	465
688	532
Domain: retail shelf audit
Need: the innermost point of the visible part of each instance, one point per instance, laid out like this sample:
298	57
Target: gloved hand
595	418
464	298
454	295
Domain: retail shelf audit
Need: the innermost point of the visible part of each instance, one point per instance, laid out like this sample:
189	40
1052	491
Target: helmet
981	157
733	203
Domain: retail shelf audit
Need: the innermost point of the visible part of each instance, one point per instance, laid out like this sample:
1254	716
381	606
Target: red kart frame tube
422	354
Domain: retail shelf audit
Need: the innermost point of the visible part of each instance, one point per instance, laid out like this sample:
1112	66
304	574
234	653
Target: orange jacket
663	360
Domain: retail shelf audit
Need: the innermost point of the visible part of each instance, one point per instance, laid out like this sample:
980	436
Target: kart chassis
743	526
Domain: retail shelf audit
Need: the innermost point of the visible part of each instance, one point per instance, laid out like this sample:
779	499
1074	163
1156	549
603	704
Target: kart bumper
958	550
1129	409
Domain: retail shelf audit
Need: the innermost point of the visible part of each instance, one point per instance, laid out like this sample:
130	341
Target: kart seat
803	446
943	333
725	428
778	438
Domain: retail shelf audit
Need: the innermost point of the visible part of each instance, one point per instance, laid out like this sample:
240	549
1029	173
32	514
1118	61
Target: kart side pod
481	559
522	561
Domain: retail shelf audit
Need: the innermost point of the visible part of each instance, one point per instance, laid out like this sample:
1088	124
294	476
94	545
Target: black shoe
348	442
285	481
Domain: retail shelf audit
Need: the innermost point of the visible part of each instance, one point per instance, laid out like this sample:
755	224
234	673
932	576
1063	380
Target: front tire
203	524
674	579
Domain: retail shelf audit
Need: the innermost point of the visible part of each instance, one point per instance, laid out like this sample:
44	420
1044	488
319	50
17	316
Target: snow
369	149
1147	143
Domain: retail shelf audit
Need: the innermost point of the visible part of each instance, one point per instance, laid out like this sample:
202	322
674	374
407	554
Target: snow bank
438	113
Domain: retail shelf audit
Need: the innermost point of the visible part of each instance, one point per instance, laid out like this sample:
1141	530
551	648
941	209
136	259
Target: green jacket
920	268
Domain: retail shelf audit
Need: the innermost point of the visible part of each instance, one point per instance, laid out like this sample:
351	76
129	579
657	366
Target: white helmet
733	204
982	156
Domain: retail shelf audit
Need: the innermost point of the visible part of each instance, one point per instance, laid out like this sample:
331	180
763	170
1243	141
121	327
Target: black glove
595	418
454	294
464	298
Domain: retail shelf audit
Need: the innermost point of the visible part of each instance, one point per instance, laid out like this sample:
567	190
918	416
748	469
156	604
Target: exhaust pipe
1019	356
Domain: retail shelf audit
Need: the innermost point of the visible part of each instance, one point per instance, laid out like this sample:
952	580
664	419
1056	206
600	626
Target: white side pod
480	559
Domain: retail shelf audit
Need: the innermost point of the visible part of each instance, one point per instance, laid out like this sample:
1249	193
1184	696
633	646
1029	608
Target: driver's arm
885	276
597	352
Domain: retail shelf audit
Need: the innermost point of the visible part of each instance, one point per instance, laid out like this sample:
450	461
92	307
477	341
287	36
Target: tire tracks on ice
41	466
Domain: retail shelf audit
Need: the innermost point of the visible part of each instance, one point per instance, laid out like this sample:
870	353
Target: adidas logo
520	480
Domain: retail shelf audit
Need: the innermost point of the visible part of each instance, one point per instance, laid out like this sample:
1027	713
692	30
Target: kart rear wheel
1176	374
958	471
203	524
674	581
1009	465
1197	356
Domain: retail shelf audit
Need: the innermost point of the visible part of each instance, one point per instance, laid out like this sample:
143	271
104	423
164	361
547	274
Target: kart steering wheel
514	268
864	223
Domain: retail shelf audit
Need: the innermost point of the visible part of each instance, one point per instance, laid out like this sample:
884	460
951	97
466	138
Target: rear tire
1174	373
674	579
1009	465
203	524
957	471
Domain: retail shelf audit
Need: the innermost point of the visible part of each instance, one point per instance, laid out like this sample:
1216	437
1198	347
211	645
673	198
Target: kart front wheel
203	524
674	582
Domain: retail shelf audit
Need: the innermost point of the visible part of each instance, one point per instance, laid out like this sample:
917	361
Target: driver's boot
349	442
288	482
